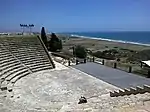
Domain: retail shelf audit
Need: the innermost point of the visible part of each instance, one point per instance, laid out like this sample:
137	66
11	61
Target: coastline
110	40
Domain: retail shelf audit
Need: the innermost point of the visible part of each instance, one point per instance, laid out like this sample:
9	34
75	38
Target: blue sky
76	15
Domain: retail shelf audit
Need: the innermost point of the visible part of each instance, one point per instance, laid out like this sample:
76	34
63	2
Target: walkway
116	77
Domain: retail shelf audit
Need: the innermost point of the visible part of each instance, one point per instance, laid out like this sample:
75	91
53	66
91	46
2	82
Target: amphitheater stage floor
115	77
59	90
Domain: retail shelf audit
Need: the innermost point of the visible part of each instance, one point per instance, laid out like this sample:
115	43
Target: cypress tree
43	36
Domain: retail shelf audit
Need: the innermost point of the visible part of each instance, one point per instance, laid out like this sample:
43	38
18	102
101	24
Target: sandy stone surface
59	90
59	66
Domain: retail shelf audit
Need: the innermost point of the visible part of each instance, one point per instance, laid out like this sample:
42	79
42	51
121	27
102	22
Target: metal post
85	60
68	62
76	62
141	64
103	62
115	65
148	74
30	29
130	69
93	59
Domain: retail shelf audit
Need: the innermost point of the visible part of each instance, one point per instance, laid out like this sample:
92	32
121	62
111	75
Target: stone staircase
19	57
131	90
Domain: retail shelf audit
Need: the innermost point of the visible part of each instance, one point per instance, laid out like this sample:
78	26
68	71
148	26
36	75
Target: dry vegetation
129	54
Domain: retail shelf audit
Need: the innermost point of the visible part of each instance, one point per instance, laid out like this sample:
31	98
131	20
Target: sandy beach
96	44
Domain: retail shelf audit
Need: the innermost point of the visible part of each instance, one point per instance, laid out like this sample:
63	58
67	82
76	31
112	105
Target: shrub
80	52
139	56
55	43
105	54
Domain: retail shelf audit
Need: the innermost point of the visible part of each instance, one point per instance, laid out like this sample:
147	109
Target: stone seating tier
10	69
20	76
42	68
20	56
7	60
33	60
10	62
16	74
4	54
10	65
12	72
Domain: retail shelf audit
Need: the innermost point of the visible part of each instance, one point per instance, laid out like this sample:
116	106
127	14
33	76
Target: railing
46	51
127	67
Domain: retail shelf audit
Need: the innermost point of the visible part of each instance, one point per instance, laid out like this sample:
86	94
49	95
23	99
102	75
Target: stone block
127	91
3	86
116	93
121	93
146	88
112	94
140	90
10	87
133	90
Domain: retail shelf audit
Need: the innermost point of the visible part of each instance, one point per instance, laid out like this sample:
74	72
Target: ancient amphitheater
32	82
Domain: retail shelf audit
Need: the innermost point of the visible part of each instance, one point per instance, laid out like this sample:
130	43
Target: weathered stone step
5	55
38	64
5	60
29	59
16	74
4	76
41	68
3	86
10	65
11	68
35	61
131	90
10	62
19	77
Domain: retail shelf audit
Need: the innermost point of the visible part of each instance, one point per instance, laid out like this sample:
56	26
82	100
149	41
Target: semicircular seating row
21	56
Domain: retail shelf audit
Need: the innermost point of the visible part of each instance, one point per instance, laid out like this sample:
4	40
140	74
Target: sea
133	37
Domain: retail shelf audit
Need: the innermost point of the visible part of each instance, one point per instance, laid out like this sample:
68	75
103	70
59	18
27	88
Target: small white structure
146	62
145	65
